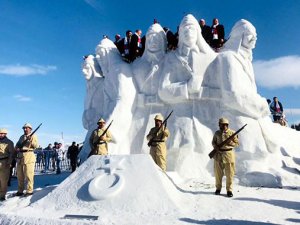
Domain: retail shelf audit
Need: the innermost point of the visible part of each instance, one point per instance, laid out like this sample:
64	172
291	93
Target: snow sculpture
94	84
200	86
119	93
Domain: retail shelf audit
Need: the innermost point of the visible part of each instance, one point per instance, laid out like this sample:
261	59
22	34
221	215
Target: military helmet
223	120
101	120
3	131
159	117
27	125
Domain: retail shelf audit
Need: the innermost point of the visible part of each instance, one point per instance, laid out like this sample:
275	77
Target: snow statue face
243	35
249	39
189	31
88	63
156	43
102	59
106	51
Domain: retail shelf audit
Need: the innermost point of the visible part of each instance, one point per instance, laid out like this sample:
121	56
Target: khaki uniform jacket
27	157
6	152
159	139
100	147
225	156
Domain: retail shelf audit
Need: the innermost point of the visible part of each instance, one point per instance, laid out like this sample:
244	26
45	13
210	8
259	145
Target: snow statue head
242	38
107	54
190	35
156	43
91	68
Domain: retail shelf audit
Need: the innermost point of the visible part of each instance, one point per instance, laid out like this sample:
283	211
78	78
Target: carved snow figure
182	74
115	97
94	92
146	75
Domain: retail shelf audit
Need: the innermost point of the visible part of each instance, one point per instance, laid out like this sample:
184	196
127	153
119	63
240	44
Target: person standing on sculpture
98	141
276	109
205	31
224	159
26	160
6	156
218	35
158	136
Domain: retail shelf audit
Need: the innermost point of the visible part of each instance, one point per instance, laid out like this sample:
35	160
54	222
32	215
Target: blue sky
42	43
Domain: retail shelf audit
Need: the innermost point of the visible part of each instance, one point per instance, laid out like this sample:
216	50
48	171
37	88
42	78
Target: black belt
158	141
4	158
26	150
225	150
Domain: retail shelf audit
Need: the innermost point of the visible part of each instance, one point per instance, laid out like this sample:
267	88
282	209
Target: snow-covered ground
131	190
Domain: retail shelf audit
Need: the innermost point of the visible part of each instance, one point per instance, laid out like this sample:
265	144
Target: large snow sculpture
200	86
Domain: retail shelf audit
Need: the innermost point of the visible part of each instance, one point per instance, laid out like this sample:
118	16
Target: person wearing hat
224	159
6	156
158	136
98	141
26	160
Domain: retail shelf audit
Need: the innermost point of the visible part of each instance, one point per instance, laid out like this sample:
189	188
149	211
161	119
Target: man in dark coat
205	31
72	155
136	46
218	34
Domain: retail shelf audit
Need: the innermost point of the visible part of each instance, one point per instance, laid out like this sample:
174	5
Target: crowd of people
132	45
25	155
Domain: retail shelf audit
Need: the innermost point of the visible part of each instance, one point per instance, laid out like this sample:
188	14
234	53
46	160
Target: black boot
229	194
217	192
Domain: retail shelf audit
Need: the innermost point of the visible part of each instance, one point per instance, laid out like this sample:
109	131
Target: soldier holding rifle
99	139
157	138
26	159
224	158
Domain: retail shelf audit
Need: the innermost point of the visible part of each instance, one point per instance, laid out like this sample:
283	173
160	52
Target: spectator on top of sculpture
136	46
184	68
171	39
276	109
205	31
124	46
118	42
218	35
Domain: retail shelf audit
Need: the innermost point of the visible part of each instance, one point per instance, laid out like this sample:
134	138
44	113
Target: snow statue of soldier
119	93
146	73
94	91
181	78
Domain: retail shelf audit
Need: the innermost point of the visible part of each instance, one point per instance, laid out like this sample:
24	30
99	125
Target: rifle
163	123
98	140
28	137
214	151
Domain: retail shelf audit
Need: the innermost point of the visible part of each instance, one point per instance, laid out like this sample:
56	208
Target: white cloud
22	98
278	73
19	70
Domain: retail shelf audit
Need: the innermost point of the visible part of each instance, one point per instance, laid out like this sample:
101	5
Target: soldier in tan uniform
26	160
158	148
224	159
98	141
6	156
